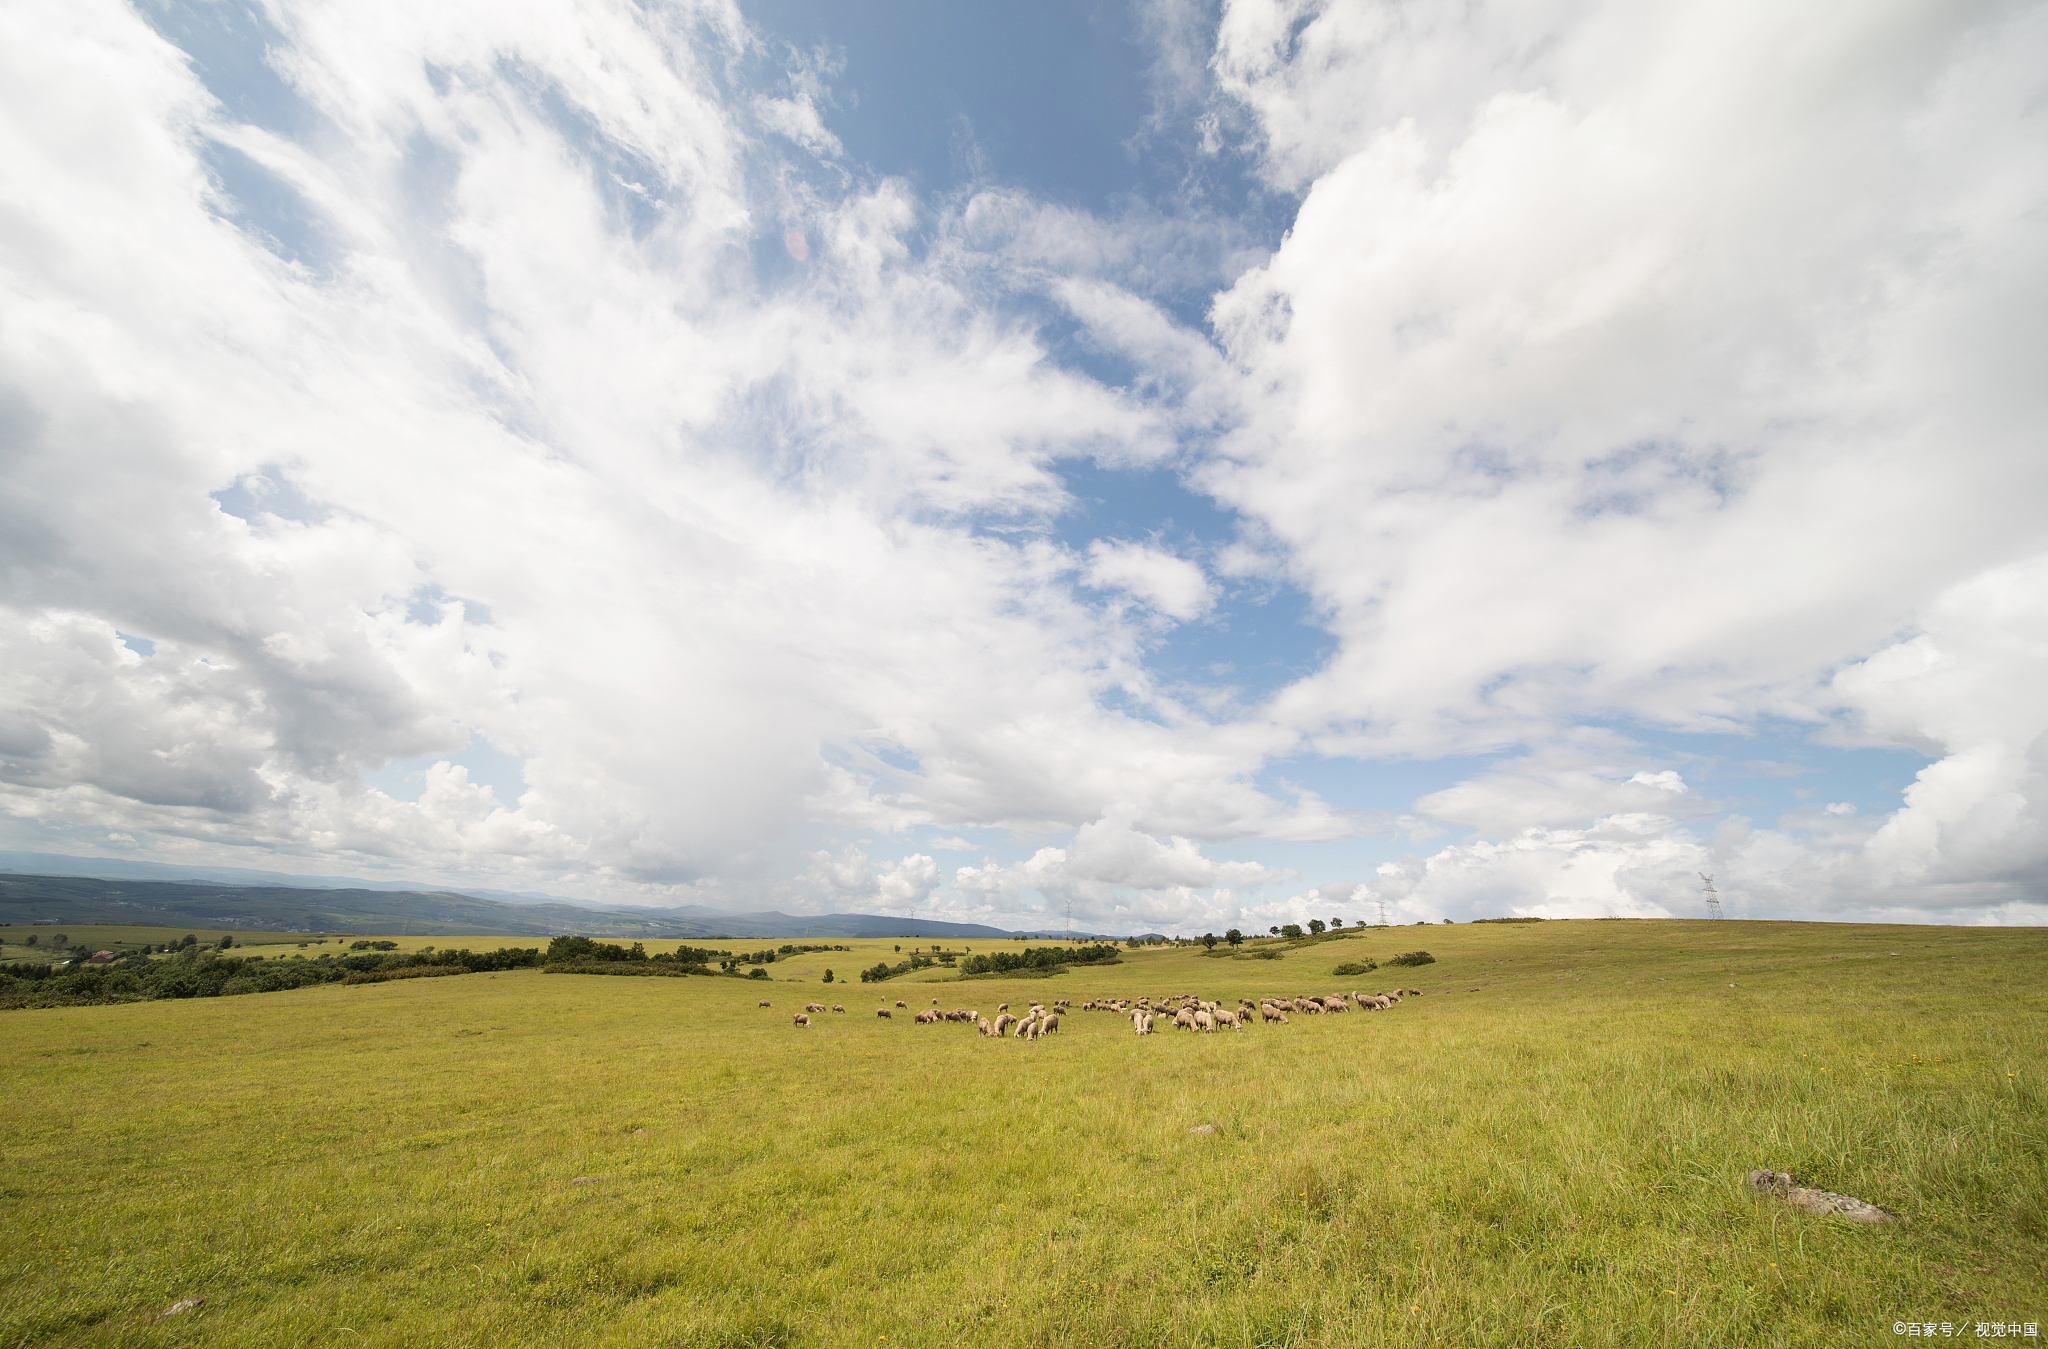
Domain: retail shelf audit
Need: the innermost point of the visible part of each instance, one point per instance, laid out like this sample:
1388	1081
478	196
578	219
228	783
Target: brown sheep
883	1012
765	1003
1002	1007
1335	1005
837	1008
814	1007
802	1020
1414	992
899	1002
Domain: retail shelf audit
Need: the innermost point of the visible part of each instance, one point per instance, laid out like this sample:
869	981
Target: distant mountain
184	903
122	868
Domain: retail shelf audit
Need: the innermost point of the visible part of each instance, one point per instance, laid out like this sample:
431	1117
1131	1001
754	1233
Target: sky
1155	464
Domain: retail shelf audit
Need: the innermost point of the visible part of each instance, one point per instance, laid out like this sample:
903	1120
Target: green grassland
1545	1149
123	937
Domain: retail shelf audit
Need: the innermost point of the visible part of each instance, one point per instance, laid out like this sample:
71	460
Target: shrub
828	976
1267	953
1413	958
1357	967
757	973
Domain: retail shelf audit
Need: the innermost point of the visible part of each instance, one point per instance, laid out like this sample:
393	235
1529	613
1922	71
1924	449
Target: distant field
127	937
1546	1148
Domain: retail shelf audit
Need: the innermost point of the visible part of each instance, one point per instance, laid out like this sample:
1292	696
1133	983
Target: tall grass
1547	1148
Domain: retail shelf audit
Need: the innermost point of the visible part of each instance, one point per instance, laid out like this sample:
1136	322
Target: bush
1413	958
828	977
1267	953
1357	967
1290	930
757	973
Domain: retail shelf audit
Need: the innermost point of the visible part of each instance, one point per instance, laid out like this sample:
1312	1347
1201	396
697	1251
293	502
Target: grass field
120	937
1547	1148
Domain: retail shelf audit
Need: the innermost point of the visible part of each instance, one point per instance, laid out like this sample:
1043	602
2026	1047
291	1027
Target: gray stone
1820	1203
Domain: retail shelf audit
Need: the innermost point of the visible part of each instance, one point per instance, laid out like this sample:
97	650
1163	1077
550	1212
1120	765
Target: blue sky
1205	464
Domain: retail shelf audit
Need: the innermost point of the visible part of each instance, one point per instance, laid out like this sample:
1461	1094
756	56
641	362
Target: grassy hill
78	899
1546	1148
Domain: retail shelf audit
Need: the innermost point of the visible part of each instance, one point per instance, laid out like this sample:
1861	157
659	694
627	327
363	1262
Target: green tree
1274	930
1315	926
1209	941
33	939
1290	930
828	976
1336	922
1233	936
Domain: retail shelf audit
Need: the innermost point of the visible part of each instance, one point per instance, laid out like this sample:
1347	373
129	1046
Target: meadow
1546	1148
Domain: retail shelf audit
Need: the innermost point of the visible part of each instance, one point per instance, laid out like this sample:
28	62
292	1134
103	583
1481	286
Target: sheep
837	1008
1272	1013
1141	1023
1414	992
1003	1020
984	1027
1224	1018
1050	1024
814	1007
802	1020
765	1003
1002	1007
899	1002
1183	1020
935	1002
1335	1005
1205	1020
884	1013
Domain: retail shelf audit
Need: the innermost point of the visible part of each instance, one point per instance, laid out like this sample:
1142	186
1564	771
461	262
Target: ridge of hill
26	899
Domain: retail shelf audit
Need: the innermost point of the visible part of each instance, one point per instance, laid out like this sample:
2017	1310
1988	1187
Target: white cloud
1610	374
1172	585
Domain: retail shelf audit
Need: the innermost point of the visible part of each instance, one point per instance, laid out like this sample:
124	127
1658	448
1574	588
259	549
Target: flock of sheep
1186	1012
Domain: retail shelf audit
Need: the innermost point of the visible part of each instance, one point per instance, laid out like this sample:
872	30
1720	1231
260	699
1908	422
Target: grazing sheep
899	1002
837	1008
1414	992
1183	1020
814	1007
802	1020
1224	1018
1003	1020
1335	1005
1205	1020
1272	1013
1050	1024
1002	1007
935	1002
984	1027
883	1012
1141	1023
765	1003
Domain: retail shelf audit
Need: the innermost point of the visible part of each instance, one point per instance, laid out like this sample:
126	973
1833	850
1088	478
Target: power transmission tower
1713	899
1070	920
1383	913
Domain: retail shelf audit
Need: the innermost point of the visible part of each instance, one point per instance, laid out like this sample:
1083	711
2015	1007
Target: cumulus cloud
544	377
1173	586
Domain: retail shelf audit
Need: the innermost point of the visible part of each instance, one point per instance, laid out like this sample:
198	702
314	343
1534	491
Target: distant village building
100	958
